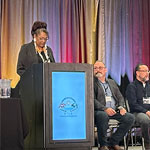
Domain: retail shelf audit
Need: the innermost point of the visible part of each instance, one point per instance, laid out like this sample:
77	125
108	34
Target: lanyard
145	92
105	88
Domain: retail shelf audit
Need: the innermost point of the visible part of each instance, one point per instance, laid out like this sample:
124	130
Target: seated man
108	104
138	96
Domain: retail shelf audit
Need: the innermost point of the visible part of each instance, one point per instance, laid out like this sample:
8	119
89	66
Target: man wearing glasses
109	104
138	96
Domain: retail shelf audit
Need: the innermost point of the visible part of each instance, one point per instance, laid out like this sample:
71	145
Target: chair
113	125
133	131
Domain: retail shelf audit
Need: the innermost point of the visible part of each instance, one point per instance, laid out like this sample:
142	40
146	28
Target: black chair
132	134
113	125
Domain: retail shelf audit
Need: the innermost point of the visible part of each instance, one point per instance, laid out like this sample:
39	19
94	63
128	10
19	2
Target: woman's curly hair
38	25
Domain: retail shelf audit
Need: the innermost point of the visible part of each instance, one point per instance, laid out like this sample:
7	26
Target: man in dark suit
138	96
36	51
109	104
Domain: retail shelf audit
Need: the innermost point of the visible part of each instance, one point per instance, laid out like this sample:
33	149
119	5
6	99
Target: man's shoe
147	146
103	148
115	147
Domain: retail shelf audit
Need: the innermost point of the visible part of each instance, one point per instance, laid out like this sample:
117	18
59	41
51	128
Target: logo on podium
68	105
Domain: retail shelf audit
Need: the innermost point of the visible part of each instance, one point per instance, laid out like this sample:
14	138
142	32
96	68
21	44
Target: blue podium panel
68	105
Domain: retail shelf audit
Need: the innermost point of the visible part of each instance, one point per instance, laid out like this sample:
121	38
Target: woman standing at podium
36	51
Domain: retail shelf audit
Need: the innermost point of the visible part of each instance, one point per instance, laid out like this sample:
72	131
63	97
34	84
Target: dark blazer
99	95
135	93
28	56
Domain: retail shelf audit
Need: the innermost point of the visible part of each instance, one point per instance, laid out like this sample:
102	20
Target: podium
58	99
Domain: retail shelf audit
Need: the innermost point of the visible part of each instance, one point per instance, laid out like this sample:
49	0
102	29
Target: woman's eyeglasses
42	39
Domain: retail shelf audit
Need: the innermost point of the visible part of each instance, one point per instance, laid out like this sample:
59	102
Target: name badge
108	98
146	100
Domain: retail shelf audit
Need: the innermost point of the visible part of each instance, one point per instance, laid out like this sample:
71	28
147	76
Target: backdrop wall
81	31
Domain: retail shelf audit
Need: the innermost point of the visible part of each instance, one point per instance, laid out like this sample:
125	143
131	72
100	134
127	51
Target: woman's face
41	39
